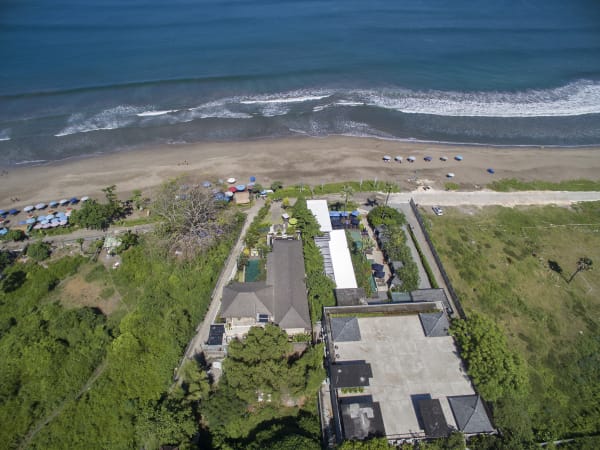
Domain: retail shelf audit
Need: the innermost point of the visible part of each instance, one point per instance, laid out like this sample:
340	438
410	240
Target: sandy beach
307	160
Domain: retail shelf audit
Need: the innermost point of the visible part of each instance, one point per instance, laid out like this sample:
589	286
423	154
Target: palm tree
348	191
583	263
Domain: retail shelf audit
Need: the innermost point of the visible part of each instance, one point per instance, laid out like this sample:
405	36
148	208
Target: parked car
438	211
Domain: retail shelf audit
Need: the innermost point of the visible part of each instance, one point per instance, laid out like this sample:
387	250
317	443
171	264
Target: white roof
343	271
321	212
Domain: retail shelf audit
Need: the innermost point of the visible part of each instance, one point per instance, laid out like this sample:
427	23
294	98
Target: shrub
38	251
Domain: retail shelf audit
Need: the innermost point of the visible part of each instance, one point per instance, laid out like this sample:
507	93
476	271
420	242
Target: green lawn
513	265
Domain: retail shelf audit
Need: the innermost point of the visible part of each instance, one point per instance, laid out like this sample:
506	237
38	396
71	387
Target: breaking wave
577	98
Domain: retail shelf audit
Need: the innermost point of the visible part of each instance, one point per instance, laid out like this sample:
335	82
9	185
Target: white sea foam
5	134
286	97
34	162
109	119
574	99
156	113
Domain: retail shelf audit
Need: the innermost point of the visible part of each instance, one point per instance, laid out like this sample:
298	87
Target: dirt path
195	345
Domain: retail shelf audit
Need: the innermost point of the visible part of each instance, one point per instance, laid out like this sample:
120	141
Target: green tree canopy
38	251
495	369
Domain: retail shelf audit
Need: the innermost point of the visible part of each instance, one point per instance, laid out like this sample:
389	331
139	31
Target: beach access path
195	346
487	198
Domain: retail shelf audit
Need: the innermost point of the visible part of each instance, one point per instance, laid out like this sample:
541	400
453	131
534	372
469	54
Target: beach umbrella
73	200
387	158
398	158
240	187
206	184
40	206
28	208
32	220
450	175
428	158
62	202
252	179
458	158
53	204
443	158
231	180
490	170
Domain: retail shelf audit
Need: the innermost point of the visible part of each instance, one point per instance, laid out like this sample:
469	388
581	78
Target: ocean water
82	77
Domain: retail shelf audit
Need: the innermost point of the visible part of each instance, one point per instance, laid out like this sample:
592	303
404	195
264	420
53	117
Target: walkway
485	197
229	269
420	237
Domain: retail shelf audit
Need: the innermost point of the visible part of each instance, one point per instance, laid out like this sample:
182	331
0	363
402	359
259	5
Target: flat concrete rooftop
405	363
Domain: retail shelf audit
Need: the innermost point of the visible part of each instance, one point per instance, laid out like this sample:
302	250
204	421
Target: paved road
201	336
485	197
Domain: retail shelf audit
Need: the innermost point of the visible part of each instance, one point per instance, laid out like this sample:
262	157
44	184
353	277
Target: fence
438	261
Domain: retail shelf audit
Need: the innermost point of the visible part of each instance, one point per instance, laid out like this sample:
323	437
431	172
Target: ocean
82	77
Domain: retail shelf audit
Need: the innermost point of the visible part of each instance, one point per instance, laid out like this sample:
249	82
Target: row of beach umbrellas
388	158
54	204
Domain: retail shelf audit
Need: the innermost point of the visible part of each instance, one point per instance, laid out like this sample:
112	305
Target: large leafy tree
191	218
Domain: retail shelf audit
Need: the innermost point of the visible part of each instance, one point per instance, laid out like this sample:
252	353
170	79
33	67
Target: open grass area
512	184
513	266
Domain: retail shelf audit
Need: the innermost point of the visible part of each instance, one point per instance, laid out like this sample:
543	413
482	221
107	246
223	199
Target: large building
394	371
281	299
334	247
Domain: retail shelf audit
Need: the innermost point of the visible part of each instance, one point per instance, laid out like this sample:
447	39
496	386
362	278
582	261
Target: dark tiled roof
351	374
246	300
361	417
344	329
433	418
434	324
470	414
285	272
282	296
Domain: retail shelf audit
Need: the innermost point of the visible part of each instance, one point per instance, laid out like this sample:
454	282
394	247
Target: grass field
513	265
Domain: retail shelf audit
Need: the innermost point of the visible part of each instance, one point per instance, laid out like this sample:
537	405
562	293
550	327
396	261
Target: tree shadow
555	267
14	281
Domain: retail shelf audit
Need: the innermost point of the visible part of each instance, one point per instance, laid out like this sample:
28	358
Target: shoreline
292	160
